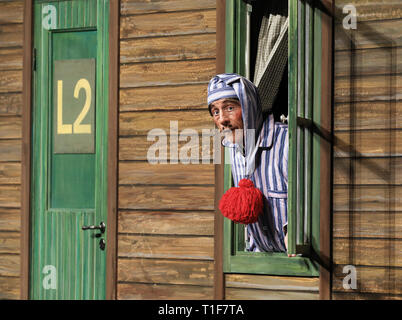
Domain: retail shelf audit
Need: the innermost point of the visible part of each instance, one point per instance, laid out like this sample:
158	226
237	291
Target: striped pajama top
270	176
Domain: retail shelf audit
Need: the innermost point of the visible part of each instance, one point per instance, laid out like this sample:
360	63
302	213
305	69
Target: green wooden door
69	176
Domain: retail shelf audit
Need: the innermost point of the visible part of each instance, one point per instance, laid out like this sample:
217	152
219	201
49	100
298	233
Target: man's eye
215	112
230	108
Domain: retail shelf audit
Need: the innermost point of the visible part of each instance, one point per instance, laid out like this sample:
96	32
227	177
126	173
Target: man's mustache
230	130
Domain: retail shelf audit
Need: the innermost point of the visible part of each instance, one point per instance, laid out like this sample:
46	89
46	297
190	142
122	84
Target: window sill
271	264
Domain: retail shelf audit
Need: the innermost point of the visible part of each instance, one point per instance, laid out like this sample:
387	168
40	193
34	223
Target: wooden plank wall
367	211
166	217
11	50
261	287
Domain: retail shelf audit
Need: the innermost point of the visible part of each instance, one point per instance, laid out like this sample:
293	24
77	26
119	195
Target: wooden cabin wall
262	287
367	207
166	217
11	52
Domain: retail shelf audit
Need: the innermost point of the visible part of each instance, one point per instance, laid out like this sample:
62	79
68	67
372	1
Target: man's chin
233	136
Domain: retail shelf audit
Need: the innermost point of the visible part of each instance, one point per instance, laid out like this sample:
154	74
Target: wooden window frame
317	264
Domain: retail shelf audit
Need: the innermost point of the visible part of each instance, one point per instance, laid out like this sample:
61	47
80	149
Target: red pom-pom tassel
242	204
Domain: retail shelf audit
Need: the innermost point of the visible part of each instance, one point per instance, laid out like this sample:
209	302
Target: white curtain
272	55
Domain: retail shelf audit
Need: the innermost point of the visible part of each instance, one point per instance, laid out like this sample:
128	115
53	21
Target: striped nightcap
220	87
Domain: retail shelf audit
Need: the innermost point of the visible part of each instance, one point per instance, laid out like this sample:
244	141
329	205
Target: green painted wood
72	175
273	264
231	64
240	54
241	14
301	191
292	123
309	62
56	236
230	35
315	216
236	38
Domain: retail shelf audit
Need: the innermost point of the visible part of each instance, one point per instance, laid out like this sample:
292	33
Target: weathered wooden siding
367	210
166	218
11	50
258	287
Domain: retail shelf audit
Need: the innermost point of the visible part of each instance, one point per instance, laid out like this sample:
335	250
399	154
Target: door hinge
34	59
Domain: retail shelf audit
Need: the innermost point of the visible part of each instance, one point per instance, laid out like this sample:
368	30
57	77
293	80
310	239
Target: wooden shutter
304	120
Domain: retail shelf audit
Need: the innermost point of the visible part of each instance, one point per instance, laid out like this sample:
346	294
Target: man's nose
223	119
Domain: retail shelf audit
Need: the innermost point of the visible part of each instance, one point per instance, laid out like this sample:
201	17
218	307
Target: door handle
101	227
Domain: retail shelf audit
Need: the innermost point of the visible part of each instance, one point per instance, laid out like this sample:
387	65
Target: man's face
228	118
